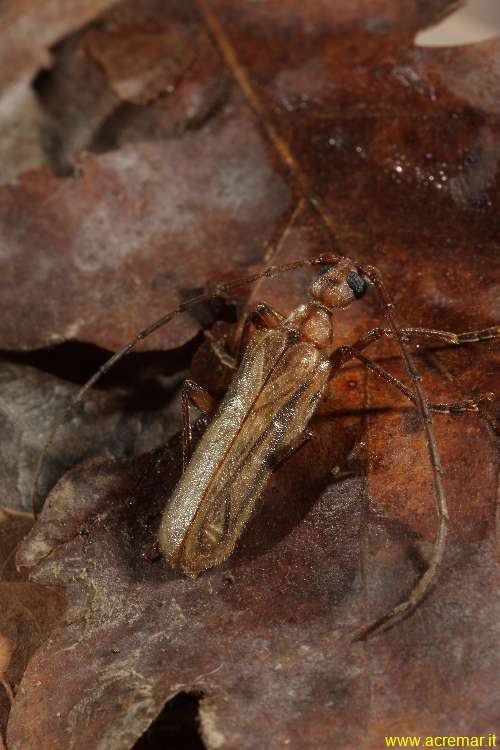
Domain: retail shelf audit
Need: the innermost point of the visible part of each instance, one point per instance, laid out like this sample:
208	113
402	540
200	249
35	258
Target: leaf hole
176	726
76	361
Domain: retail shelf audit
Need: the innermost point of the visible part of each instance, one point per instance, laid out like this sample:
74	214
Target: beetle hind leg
475	404
292	449
193	394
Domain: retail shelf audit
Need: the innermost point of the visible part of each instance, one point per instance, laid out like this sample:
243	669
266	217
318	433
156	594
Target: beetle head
339	285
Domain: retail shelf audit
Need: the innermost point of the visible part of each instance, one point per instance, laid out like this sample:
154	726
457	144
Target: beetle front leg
192	393
448	337
263	316
345	353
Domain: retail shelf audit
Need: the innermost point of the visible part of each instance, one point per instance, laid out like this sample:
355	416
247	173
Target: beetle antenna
216	291
426	582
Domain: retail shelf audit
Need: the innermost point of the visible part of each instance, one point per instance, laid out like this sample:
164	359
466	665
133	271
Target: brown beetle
284	371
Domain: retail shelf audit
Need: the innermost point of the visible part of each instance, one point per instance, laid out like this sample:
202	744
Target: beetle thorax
314	323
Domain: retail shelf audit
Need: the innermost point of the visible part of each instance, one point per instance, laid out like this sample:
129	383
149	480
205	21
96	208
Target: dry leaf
28	611
126	241
266	637
115	422
314	128
27	31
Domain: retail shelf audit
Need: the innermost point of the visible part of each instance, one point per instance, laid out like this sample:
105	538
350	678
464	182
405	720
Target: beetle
283	374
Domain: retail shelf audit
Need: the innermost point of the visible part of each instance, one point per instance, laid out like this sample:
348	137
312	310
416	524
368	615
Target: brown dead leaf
27	31
116	422
140	74
28	611
6	650
139	228
365	113
267	636
391	156
126	241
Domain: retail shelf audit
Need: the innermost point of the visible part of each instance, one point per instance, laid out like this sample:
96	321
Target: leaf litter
266	638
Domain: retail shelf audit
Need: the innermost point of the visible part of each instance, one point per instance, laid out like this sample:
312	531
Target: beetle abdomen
267	407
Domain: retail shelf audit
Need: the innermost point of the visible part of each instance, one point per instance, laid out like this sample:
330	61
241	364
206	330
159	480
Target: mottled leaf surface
266	133
166	196
267	637
27	32
28	611
114	422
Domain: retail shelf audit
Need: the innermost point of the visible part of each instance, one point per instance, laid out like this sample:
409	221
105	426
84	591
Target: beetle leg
466	405
292	449
268	272
339	357
263	316
221	351
452	338
344	353
192	393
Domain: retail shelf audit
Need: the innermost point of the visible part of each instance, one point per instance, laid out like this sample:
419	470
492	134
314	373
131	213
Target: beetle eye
325	267
356	283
